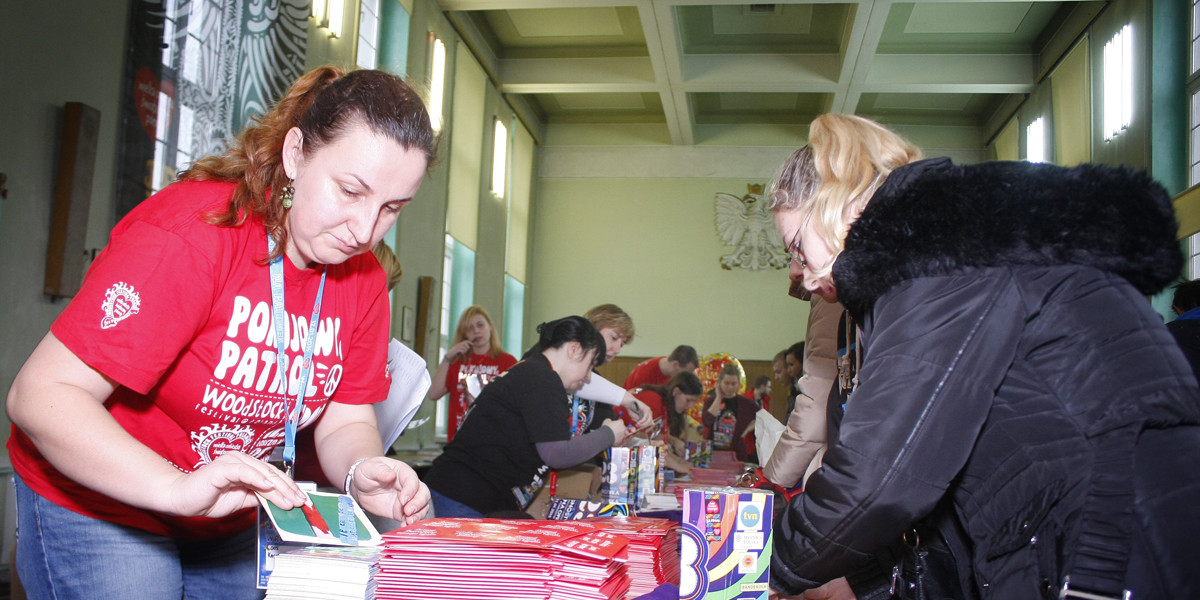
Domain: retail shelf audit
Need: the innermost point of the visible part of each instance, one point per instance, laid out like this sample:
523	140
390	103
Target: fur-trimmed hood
934	218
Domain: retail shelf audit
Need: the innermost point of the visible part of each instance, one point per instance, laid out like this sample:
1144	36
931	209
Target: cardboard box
620	476
581	482
649	459
572	509
725	544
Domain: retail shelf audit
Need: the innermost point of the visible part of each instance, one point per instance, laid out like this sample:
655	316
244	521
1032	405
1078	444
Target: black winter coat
1013	372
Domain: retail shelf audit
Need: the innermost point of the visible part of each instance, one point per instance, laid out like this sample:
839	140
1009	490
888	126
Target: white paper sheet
410	383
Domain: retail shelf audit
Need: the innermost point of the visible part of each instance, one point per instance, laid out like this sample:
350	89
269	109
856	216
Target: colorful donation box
725	545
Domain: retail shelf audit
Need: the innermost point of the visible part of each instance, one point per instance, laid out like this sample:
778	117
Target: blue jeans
62	554
444	507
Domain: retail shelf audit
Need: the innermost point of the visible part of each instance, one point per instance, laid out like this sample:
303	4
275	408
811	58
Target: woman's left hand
390	488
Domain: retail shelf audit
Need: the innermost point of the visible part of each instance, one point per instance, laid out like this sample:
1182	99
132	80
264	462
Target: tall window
1193	245
514	315
186	27
1035	141
458	293
368	34
444	332
1118	83
1194	93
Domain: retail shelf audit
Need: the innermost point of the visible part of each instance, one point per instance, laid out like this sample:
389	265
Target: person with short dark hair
519	427
1186	326
660	369
779	370
760	392
794	361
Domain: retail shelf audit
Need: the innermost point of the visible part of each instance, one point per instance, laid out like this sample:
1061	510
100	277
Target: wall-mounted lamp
328	14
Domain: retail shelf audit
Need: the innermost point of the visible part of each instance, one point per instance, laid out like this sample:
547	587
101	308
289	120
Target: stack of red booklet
653	550
470	559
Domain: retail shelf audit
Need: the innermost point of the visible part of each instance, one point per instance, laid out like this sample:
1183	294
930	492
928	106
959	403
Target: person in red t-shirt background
761	392
142	423
474	358
660	369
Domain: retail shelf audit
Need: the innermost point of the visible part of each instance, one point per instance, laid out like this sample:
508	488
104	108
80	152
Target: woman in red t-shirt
474	358
144	421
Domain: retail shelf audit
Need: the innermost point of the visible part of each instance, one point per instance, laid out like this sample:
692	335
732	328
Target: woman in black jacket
1017	391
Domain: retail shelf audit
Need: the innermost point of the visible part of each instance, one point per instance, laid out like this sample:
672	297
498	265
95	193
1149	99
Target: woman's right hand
228	484
718	403
837	589
619	431
457	351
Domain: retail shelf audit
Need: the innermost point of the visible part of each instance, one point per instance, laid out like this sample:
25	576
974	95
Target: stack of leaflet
502	559
726	460
324	573
653	550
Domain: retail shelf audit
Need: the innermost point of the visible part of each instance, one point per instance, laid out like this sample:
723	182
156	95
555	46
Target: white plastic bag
767	431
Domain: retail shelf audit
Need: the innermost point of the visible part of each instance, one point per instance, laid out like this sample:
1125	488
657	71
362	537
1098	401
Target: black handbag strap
1096	570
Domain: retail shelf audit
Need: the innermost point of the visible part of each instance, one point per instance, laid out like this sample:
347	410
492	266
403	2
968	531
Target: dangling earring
287	194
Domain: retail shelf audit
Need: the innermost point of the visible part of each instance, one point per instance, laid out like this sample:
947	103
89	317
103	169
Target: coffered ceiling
686	66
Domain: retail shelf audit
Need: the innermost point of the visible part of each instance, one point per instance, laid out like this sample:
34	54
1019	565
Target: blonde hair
460	334
611	315
390	263
831	179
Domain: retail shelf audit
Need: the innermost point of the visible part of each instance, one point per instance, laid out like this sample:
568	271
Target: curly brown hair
323	103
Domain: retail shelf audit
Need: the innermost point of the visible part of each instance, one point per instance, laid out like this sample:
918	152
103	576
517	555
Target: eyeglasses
794	251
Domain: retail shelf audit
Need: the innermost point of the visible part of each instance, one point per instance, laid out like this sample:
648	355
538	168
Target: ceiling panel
955	17
796	28
734	64
562	32
966	28
756	107
599	107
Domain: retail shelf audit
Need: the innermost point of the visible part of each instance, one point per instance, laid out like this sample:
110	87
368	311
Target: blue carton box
725	544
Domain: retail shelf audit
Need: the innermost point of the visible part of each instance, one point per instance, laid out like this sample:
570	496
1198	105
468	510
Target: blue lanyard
292	412
574	416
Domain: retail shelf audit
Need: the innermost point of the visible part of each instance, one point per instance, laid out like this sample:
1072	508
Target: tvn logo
749	516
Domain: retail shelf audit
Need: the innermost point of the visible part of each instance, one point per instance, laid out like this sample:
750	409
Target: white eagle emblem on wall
745	224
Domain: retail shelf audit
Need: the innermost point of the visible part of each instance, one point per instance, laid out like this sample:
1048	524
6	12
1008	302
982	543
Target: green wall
649	246
63	51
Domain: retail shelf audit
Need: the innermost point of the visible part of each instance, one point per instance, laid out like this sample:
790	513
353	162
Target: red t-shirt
766	400
178	312
646	373
482	366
